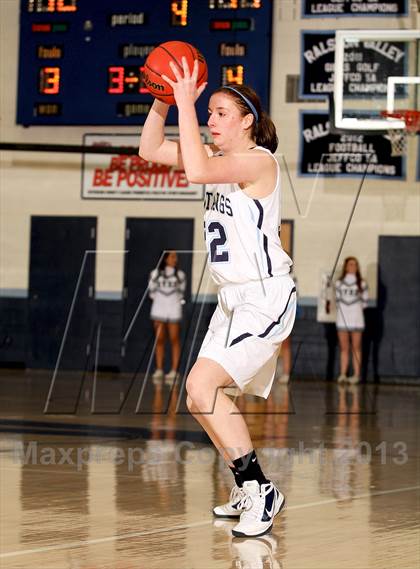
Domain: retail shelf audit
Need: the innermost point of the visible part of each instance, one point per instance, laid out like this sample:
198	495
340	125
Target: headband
247	101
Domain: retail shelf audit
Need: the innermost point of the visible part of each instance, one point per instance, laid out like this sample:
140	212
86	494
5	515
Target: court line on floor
83	543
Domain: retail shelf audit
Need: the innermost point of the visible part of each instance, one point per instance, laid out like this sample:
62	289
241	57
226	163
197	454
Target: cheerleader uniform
167	289
350	303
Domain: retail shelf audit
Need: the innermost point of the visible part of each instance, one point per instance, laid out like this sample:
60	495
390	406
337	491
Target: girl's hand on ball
185	87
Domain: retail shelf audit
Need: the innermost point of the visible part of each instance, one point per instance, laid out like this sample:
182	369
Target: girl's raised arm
154	147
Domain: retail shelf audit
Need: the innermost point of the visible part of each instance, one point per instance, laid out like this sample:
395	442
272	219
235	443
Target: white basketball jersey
241	233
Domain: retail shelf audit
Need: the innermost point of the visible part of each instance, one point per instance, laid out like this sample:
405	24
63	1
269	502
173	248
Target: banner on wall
344	155
121	176
366	70
342	8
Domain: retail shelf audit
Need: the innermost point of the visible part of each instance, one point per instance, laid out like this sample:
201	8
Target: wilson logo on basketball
152	84
158	63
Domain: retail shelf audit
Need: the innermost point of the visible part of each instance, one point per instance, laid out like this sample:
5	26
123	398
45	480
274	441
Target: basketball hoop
398	137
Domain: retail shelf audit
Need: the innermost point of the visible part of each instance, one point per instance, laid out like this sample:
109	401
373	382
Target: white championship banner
127	176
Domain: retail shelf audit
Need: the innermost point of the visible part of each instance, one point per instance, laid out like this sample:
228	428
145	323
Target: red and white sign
122	176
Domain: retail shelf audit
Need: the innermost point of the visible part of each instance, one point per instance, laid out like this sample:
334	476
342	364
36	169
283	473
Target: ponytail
265	133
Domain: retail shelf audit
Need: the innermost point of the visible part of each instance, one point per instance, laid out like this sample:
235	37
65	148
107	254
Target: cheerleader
351	294
166	289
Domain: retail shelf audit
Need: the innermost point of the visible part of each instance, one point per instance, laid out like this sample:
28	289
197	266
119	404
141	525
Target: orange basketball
157	64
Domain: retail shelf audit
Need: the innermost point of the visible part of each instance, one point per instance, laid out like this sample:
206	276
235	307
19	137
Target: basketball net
398	137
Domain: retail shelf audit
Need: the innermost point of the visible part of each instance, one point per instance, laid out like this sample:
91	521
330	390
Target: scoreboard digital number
80	61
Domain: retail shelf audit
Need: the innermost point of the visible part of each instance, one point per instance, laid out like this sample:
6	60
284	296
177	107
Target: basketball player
166	289
256	296
351	294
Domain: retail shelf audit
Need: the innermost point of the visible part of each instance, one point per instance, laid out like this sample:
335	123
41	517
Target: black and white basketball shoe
259	506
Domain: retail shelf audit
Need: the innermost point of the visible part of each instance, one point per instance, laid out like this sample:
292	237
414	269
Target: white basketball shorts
247	328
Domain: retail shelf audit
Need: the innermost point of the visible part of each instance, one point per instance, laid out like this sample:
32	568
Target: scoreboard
80	61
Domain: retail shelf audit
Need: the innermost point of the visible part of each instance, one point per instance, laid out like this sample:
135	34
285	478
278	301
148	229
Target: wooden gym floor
89	489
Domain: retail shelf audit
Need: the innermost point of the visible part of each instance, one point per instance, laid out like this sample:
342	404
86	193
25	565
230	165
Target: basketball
157	64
